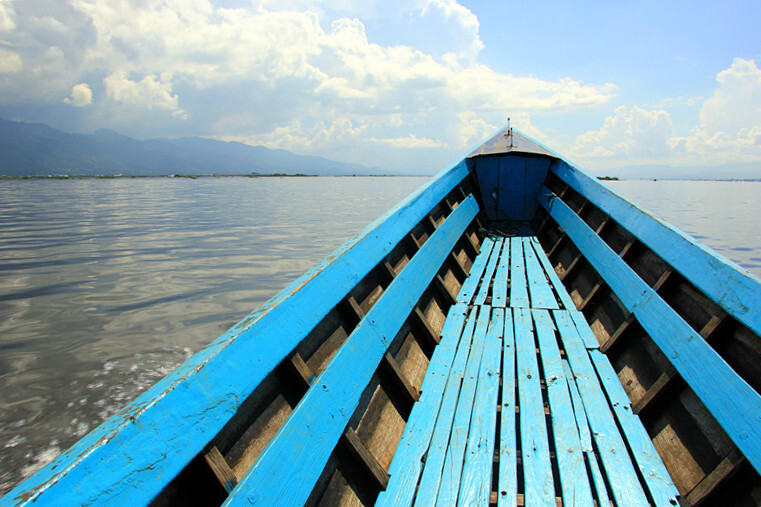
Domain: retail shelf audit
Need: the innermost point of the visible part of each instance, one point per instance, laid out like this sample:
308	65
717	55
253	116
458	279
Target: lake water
724	215
108	285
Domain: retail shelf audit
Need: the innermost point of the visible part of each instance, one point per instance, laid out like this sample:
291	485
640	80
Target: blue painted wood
574	482
499	290
535	446
469	287
290	465
563	295
447	363
651	467
475	486
137	452
430	479
507	482
487	175
512	188
452	471
539	288
732	287
489	272
624	483
520	180
518	287
734	404
587	336
585	437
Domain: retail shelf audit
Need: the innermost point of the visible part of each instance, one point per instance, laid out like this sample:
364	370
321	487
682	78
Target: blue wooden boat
513	333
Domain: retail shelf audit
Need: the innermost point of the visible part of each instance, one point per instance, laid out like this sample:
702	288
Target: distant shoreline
196	176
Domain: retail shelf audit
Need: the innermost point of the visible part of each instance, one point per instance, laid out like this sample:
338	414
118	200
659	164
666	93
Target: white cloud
6	16
284	77
629	133
10	62
730	120
410	141
81	95
466	26
729	130
148	93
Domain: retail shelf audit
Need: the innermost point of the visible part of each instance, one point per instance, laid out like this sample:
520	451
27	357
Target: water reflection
108	285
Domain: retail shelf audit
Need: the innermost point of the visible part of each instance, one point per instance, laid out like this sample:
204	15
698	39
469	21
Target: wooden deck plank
735	405
518	285
537	468
453	464
507	482
651	466
539	288
565	298
407	464
436	452
585	437
468	289
475	486
499	289
289	466
621	474
483	292
575	487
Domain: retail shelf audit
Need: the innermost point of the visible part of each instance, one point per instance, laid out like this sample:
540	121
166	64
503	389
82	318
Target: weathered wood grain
574	481
475	486
535	446
507	482
625	486
518	284
448	358
734	403
290	465
737	291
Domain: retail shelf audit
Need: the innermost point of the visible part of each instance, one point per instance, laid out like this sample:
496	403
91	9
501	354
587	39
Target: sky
404	86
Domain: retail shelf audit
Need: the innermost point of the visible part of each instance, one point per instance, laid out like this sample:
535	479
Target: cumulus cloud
634	132
730	120
10	62
292	77
81	95
729	128
410	141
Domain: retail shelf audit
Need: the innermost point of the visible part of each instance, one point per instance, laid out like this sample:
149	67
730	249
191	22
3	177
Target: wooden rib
392	374
301	369
575	262
627	248
459	269
412	239
615	339
723	471
353	446
424	326
350	441
557	244
220	468
669	379
389	270
547	218
592	294
355	308
438	282
432	222
663	281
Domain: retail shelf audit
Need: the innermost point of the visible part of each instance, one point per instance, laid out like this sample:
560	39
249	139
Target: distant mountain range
35	149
